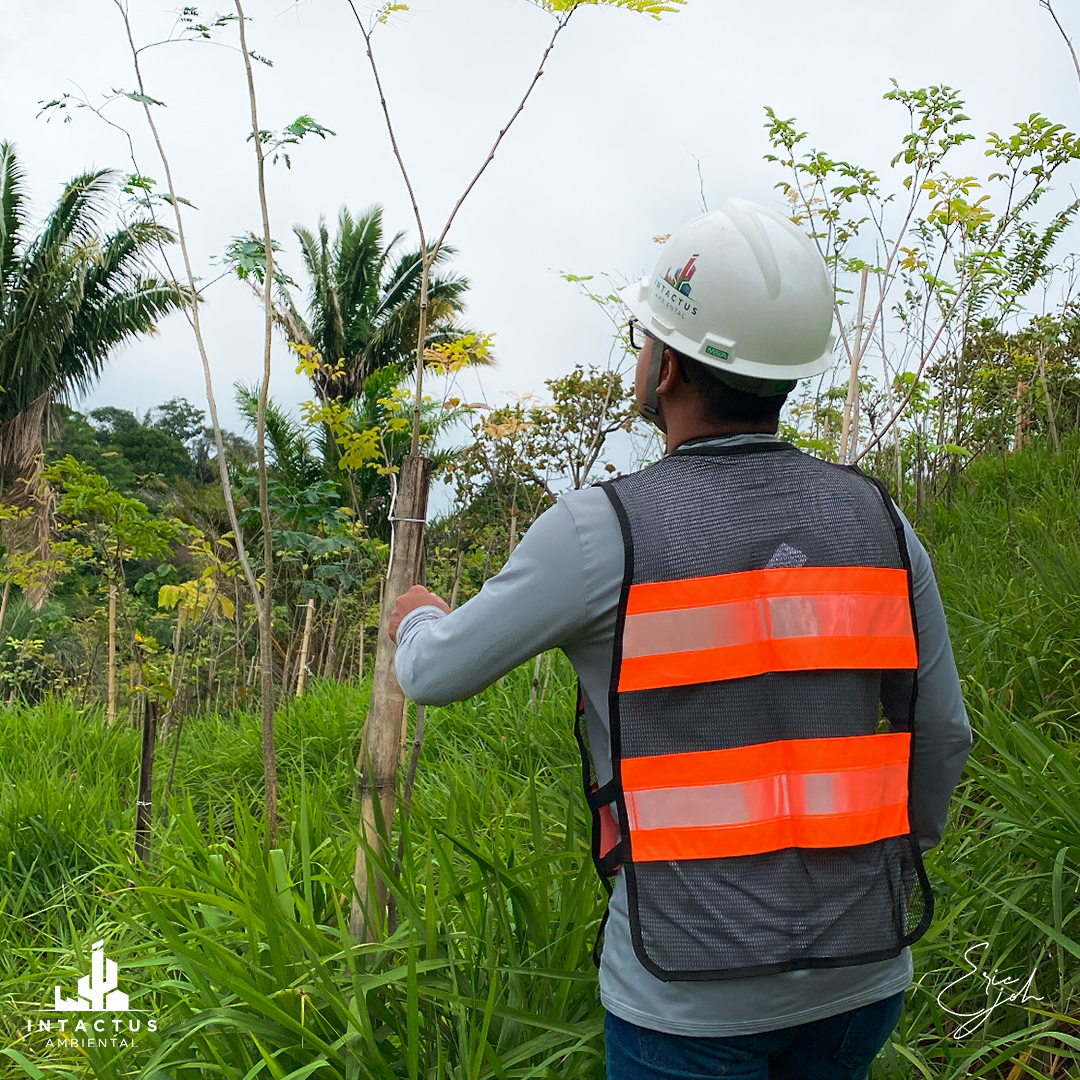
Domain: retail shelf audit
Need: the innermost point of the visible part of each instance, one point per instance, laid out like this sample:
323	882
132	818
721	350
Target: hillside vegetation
244	957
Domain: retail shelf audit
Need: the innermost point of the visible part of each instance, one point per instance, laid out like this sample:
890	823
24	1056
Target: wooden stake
144	809
378	761
301	677
112	655
4	603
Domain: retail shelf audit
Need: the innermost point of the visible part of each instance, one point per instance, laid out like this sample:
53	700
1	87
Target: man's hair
722	402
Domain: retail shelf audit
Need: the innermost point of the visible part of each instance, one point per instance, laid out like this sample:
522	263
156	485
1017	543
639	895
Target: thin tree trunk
175	755
269	758
381	745
849	434
4	603
513	531
286	667
265	602
1046	397
176	645
215	646
457	578
301	676
331	642
238	653
547	677
112	655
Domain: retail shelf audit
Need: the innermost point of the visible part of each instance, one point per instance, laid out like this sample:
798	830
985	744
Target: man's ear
669	372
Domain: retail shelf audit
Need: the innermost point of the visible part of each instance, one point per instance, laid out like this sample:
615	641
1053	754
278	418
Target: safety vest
761	716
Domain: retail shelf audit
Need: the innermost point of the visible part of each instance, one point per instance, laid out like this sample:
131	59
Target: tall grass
243	955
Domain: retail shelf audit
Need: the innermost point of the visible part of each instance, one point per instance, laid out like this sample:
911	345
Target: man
750	626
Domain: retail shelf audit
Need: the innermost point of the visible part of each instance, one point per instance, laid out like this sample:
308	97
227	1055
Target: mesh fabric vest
761	701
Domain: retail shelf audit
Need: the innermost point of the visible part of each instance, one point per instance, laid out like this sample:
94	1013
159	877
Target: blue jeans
839	1047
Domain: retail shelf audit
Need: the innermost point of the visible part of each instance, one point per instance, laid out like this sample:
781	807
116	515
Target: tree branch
1068	41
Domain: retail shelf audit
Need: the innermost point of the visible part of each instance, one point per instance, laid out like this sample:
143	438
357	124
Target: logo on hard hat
680	281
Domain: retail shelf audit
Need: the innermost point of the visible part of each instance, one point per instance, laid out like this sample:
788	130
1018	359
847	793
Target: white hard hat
742	290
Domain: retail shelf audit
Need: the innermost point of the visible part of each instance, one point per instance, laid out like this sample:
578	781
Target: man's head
705	398
739	306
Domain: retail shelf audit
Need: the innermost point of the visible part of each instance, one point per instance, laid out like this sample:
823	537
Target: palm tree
68	296
364	303
300	462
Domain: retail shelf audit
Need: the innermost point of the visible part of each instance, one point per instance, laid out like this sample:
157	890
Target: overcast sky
602	159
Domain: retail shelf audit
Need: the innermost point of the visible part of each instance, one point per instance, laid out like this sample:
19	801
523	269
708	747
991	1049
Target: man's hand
416	597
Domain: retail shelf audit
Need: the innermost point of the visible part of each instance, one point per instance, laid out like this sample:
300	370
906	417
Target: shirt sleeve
942	737
536	602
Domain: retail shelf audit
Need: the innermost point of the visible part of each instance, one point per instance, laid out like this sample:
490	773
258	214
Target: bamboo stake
4	603
112	655
535	682
301	677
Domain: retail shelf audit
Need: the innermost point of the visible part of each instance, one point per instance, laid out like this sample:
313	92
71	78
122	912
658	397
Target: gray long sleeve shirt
560	589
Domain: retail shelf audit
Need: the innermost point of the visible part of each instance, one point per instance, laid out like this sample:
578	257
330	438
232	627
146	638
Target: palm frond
75	217
12	214
294	463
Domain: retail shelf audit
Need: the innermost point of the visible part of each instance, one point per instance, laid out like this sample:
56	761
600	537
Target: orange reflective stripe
783	756
789	793
754	584
735	625
665	845
792	654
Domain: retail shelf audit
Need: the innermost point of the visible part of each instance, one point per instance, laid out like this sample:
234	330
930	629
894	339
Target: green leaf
143	99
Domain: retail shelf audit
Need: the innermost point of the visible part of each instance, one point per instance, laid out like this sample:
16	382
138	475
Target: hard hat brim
635	297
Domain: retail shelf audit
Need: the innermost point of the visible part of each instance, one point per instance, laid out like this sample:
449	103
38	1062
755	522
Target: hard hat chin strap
651	409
